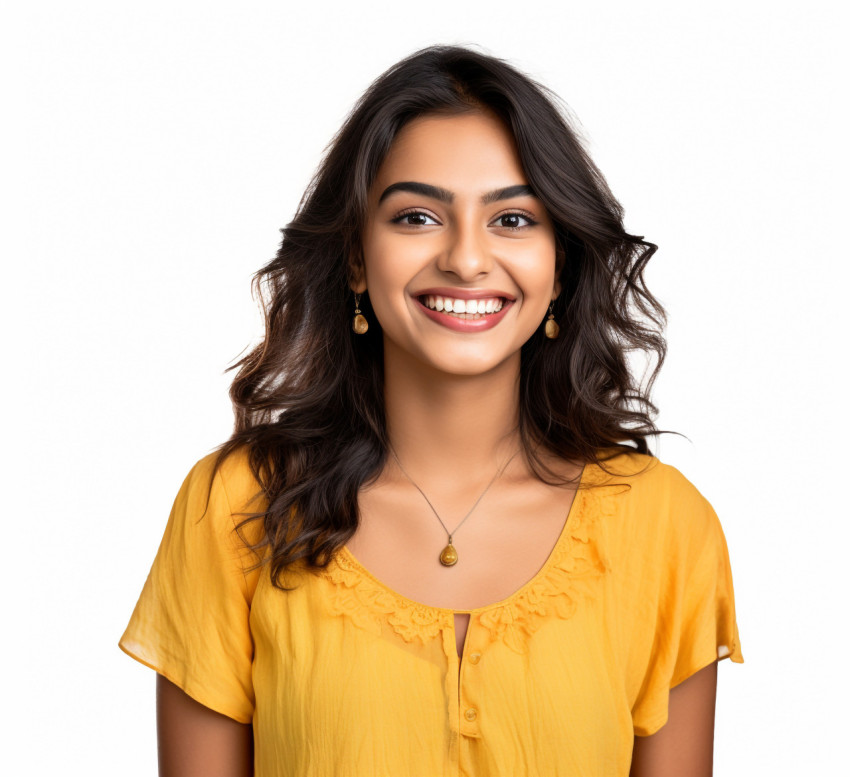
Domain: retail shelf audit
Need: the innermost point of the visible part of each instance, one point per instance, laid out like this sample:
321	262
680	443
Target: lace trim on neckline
565	579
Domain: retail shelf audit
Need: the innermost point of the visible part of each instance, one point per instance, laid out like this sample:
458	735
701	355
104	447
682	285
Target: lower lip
487	321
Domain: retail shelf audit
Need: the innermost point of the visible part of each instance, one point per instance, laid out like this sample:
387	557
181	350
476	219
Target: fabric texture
343	676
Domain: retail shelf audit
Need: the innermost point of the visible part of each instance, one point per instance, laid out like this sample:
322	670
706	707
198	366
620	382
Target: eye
512	220
413	218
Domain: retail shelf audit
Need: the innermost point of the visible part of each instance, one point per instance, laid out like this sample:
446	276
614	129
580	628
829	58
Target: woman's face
452	223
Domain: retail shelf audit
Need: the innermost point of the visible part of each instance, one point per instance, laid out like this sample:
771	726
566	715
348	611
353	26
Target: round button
474	658
471	714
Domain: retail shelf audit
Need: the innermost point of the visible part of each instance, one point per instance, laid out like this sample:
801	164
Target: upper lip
444	291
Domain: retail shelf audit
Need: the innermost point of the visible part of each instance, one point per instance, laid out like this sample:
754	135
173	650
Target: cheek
388	273
393	261
534	272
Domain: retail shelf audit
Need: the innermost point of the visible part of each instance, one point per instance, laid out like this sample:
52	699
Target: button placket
470	681
470	716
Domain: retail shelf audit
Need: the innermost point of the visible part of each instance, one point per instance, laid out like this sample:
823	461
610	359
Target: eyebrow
444	195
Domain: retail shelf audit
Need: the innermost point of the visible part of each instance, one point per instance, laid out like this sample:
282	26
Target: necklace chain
452	533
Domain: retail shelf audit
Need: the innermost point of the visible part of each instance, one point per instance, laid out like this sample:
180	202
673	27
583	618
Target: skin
452	402
195	741
685	744
440	384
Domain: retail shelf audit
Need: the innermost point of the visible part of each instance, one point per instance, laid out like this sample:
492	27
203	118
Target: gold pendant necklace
448	556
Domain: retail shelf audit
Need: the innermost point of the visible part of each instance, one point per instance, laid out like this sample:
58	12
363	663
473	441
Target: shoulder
658	492
647	477
216	496
231	481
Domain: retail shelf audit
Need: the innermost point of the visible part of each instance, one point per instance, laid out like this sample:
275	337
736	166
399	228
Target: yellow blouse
342	676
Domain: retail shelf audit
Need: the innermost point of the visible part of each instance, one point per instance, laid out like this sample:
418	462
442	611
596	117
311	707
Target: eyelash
414	212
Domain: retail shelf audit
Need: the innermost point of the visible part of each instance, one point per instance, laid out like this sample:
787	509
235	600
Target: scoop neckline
536	578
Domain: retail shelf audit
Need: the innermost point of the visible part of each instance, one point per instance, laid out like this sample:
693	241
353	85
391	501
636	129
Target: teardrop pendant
552	329
360	324
448	558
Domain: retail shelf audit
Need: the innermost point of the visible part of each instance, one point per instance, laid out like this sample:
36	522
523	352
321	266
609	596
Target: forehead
469	153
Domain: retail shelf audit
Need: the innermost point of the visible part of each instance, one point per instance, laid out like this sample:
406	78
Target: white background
150	153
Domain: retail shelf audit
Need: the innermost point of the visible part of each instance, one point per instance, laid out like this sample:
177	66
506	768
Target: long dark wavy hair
308	400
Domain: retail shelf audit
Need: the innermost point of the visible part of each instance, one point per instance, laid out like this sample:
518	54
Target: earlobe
356	274
560	259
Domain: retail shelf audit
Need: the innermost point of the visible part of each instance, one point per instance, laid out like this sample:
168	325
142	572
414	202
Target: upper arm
685	744
195	741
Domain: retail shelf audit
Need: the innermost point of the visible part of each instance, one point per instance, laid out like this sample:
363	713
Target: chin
468	365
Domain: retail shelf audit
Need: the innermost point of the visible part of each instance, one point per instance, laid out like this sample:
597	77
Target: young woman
437	542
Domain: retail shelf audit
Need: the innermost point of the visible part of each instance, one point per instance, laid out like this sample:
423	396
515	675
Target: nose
466	254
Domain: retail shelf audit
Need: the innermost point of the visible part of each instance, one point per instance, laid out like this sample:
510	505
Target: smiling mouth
468	309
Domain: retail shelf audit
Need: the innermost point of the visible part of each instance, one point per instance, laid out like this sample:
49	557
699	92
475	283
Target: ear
356	274
560	260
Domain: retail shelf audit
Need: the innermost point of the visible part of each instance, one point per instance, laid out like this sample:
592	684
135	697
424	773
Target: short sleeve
191	622
695	620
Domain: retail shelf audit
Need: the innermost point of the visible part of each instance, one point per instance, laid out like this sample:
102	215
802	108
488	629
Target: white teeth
463	307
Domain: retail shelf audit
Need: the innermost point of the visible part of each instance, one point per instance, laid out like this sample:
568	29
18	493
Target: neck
451	430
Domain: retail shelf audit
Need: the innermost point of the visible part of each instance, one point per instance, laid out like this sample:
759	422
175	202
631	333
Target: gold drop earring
552	329
360	325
